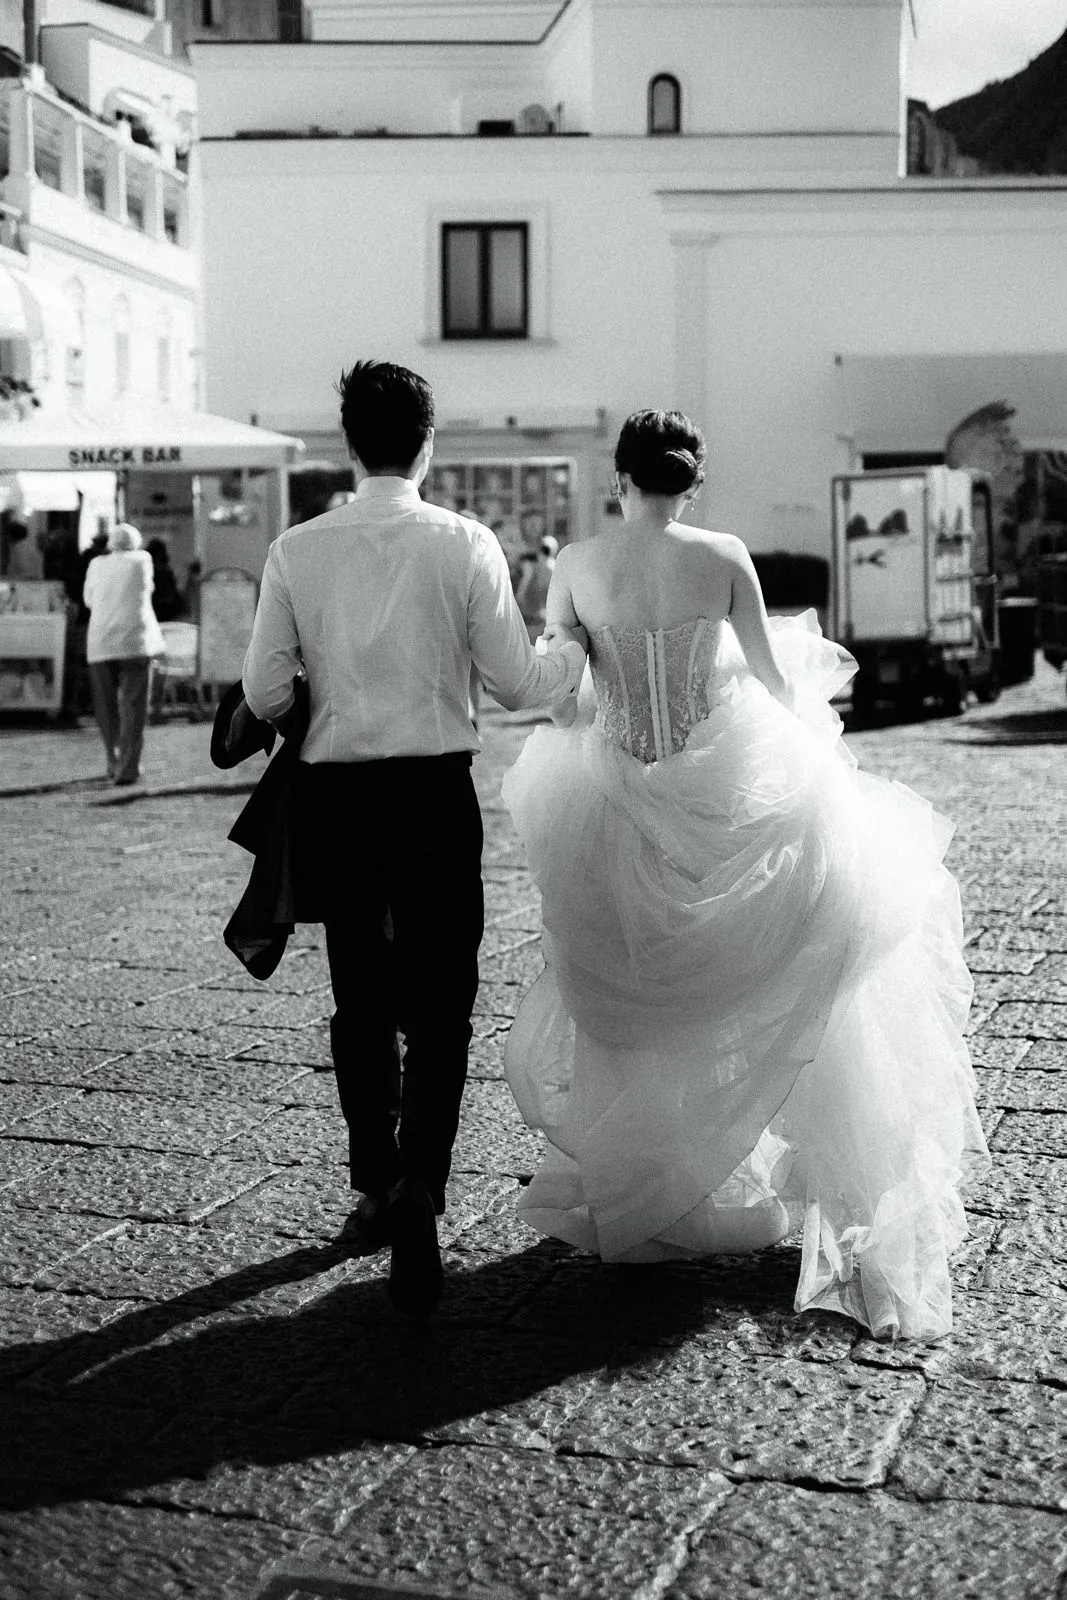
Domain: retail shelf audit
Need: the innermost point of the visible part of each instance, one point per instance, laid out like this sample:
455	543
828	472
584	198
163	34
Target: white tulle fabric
751	1016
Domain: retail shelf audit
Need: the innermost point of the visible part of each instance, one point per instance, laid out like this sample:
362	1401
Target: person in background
533	586
191	592
167	602
124	636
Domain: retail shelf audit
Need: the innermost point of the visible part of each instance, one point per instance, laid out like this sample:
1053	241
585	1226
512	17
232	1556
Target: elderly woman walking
123	637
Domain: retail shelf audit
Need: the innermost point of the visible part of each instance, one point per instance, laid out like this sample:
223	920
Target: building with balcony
559	212
101	324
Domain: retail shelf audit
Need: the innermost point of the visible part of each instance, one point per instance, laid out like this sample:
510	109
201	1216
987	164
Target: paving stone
998	1054
38	1324
118	985
1020	1184
303	1086
667	1302
1017	1337
60	1442
496	999
32	1243
458	1520
23	1159
1002	958
22	1103
265	1473
154	1261
492	1135
296	1136
227	1364
987	1441
1021	1091
126	1038
795	1544
300	971
42	1011
182	1077
1023	1019
1032	1133
1031	1259
301	1047
1046	983
198	1010
751	1418
522	966
1045	1055
145	1122
141	1185
293	1010
1042	933
39	1061
91	1551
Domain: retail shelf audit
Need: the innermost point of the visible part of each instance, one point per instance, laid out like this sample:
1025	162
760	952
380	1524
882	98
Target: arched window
664	104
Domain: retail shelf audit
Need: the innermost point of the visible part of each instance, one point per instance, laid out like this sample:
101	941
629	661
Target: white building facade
100	260
560	212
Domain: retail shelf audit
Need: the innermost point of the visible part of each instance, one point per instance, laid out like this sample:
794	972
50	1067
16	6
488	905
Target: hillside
1018	125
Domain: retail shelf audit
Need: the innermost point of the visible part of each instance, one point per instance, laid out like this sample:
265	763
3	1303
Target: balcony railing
95	163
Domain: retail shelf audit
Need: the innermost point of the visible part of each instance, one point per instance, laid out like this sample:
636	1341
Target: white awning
12	313
47	310
902	403
25	492
138	438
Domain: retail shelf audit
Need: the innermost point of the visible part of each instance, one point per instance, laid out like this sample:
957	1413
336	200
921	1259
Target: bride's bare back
662	578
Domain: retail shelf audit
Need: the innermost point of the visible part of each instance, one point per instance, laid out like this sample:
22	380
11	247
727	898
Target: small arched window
664	104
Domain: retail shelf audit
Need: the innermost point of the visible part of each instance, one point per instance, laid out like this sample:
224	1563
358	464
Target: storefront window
521	498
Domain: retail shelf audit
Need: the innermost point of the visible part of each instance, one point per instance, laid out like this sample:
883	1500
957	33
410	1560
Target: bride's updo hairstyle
662	452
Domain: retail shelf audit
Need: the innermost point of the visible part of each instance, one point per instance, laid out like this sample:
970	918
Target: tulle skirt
751	1016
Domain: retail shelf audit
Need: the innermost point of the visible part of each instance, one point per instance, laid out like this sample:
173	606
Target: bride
751	1016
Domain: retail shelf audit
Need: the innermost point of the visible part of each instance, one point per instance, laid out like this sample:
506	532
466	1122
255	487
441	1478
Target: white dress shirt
118	592
385	602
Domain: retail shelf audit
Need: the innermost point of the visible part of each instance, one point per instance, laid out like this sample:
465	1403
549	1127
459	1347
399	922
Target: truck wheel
987	688
950	695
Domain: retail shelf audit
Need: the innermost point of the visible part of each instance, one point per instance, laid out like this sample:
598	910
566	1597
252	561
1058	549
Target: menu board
227	611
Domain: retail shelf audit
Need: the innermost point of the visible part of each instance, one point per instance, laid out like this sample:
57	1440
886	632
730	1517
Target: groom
385	603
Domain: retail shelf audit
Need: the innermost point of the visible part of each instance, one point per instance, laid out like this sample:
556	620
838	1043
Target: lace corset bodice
651	686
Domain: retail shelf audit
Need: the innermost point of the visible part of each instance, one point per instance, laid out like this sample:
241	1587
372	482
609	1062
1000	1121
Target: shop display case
33	642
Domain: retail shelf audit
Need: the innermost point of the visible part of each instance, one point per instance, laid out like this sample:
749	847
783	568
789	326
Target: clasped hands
556	635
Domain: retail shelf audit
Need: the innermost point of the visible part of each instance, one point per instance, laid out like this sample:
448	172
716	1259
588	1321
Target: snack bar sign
126	455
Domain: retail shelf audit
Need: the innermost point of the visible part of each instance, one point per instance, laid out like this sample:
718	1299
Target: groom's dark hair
386	413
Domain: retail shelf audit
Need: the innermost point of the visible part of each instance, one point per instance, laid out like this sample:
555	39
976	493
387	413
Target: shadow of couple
234	1372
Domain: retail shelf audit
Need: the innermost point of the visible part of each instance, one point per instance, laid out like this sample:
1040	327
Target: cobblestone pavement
196	1390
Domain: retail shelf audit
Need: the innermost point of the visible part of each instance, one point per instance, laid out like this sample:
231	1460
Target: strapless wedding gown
751	1015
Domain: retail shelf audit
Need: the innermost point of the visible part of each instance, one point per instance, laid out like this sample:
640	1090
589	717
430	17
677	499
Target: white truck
913	587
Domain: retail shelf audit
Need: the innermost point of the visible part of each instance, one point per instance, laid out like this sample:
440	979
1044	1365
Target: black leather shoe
367	1229
416	1277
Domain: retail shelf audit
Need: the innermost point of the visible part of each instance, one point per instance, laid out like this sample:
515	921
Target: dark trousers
120	704
389	852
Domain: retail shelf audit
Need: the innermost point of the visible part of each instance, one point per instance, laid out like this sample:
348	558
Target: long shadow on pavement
1022	727
182	1387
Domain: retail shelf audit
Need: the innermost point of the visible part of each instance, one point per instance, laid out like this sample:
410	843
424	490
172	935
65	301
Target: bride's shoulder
725	546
